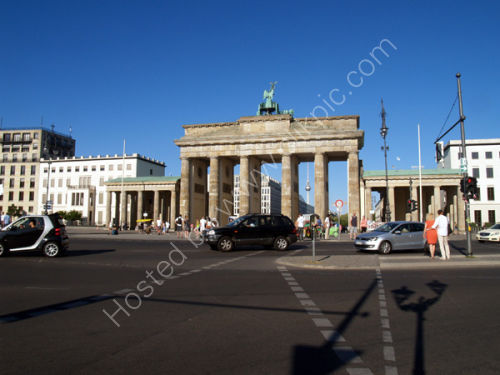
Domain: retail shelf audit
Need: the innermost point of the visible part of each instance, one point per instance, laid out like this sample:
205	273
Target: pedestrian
318	227
178	226
203	223
327	227
430	234
159	224
363	224
300	226
441	224
2	215
6	219
167	226
353	230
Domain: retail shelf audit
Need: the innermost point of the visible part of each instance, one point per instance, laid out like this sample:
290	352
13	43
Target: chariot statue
268	107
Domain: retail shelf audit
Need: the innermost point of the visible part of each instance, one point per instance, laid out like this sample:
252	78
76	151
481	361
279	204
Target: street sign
339	204
463	165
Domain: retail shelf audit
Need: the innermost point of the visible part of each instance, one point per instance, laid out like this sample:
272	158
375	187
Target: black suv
276	231
35	232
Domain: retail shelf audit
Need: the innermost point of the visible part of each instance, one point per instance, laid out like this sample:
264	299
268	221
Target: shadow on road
401	296
322	359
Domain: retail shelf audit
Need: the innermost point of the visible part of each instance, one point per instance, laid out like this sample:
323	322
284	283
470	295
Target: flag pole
420	176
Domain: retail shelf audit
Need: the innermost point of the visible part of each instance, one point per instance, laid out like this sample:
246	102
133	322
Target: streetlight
46	151
383	132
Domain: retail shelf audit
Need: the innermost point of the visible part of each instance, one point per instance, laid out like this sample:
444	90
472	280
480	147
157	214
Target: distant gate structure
253	141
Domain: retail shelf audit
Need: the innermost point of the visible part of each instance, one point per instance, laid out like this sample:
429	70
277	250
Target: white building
483	158
77	183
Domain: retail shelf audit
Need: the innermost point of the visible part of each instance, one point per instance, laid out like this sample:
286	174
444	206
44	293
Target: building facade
79	183
483	157
270	195
22	150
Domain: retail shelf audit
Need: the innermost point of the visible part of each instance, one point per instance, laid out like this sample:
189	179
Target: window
25	148
6	149
477	217
129	167
6	137
491	217
32	182
21	195
61	169
77	199
21	183
110	167
101	167
60	182
101	181
119	167
68	182
45	170
68	169
5	157
491	193
85	168
94	168
11	182
35	135
475	155
101	198
25	157
52	183
12	170
23	170
35	146
11	195
59	198
33	169
17	137
77	169
460	155
489	172
32	196
44	183
34	157
26	137
150	172
2	170
14	157
53	170
488	155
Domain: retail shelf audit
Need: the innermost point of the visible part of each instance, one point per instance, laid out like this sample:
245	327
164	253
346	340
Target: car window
264	220
251	222
386	227
404	228
277	221
496	226
417	227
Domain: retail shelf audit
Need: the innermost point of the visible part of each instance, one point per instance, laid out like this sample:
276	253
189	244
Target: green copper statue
268	107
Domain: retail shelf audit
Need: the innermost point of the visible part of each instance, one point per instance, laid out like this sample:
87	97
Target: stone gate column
320	185
133	210
108	208
139	205
392	203
437	200
156	205
226	192
294	168
353	183
173	213
123	208
185	193
214	189
255	185
286	186
414	195
117	207
244	188
368	202
199	196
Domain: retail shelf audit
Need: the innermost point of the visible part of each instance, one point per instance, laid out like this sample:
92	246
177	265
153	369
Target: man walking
441	224
353	230
300	226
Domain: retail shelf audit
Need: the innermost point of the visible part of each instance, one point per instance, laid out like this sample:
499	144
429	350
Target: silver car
395	235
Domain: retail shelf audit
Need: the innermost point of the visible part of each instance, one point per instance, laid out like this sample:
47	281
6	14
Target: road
105	308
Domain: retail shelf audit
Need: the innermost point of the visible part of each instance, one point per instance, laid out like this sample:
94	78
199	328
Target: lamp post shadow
420	307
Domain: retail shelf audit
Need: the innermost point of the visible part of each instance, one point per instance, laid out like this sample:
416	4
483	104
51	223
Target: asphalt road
105	308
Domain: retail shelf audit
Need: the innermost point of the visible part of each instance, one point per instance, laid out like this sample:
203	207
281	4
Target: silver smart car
395	235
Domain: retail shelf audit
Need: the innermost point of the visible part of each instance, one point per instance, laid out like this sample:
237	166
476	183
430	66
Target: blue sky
140	69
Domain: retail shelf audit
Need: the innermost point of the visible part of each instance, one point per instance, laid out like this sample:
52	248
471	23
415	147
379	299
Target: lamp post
45	150
383	132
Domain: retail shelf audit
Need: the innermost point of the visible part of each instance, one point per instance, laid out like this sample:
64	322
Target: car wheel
385	248
3	250
280	243
51	249
225	244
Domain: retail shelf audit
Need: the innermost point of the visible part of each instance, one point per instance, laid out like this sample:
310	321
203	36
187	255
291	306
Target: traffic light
462	184
471	189
409	205
414	205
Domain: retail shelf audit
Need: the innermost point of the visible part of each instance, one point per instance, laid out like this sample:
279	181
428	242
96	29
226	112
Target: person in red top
363	224
430	234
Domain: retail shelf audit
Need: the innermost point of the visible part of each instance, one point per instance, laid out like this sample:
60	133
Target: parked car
276	231
395	235
490	234
35	232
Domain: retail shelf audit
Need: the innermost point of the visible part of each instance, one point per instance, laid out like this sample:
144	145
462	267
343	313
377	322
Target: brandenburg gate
265	138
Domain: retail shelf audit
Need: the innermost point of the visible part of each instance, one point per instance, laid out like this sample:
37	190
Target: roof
145	179
412	172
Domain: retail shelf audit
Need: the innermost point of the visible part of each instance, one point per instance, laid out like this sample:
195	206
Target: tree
14	211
